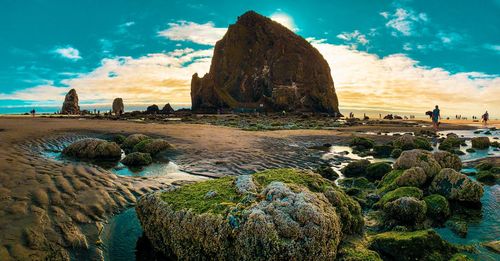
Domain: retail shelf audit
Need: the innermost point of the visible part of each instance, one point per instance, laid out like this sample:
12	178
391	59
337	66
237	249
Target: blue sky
145	51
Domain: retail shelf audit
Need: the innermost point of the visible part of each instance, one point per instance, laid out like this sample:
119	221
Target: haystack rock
260	64
118	107
167	109
70	105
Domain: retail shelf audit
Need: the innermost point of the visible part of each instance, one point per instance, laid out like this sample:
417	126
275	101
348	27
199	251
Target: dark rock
375	171
382	151
118	107
327	172
356	168
70	105
480	143
167	109
406	210
456	186
137	159
361	143
153	109
459	227
152	146
259	61
438	207
132	140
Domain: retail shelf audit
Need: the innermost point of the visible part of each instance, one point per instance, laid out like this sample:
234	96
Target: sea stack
118	107
260	64
167	109
70	105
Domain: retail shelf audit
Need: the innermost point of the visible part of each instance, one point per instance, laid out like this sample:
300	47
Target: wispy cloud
353	38
68	52
492	47
403	21
204	34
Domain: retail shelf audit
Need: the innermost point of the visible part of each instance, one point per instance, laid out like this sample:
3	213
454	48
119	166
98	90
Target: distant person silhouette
486	117
436	115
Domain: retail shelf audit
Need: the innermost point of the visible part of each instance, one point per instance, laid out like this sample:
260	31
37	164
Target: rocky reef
260	64
70	105
275	214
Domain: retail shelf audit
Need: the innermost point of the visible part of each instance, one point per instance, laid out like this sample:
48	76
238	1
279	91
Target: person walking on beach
436	115
486	117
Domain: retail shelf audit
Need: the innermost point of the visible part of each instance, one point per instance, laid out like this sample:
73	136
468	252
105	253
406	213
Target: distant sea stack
118	107
70	105
259	63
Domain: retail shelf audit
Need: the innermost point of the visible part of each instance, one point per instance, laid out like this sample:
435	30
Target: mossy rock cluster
488	173
93	150
141	149
282	213
451	143
137	159
410	142
363	168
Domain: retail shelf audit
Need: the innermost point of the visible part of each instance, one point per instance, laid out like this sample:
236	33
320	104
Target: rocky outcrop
167	109
261	64
93	149
257	217
153	109
456	186
118	107
70	105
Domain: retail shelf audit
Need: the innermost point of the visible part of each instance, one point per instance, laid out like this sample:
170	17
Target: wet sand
51	209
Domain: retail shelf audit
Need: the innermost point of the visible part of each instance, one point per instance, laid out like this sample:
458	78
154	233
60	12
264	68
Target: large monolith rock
118	107
260	64
70	105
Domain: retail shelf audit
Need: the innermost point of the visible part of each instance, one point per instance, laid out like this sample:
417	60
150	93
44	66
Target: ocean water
102	108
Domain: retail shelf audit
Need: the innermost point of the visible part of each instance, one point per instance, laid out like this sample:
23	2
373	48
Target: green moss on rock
406	210
399	193
375	171
448	160
456	186
388	182
413	177
152	146
356	168
137	159
418	158
93	150
361	143
438	207
417	245
480	143
132	140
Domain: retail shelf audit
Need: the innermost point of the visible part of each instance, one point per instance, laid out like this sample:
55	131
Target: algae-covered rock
406	210
448	160
399	193
457	226
93	149
356	250
456	186
132	140
451	143
361	143
414	177
416	245
395	153
460	257
119	139
388	182
375	171
382	151
286	214
438	207
152	146
480	143
137	159
487	177
327	172
356	168
410	142
418	158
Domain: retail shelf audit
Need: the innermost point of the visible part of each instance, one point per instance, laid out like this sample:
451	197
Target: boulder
93	149
355	168
399	193
327	172
375	171
361	143
382	151
406	210
153	109
410	142
451	143
416	245
413	177
129	143
152	146
288	214
448	160
137	159
395	153
418	158
118	108
260	64
438	207
70	105
480	143
167	109
456	186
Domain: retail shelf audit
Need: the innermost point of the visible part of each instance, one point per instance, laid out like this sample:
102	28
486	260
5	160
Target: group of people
436	116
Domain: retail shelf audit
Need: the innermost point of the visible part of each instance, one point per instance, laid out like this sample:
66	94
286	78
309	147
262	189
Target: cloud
68	52
154	78
398	83
204	34
284	19
353	38
492	47
403	21
448	38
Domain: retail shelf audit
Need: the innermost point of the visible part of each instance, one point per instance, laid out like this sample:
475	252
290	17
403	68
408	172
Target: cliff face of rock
70	105
260	63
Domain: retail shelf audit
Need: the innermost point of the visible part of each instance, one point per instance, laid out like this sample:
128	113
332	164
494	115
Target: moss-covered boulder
376	171
406	210
356	250
93	149
438	208
132	140
417	245
118	138
451	143
355	168
480	143
137	159
418	158
484	166
458	226
413	177
361	143
152	146
399	193
448	160
326	171
388	182
487	177
382	151
287	214
456	186
410	142
395	153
